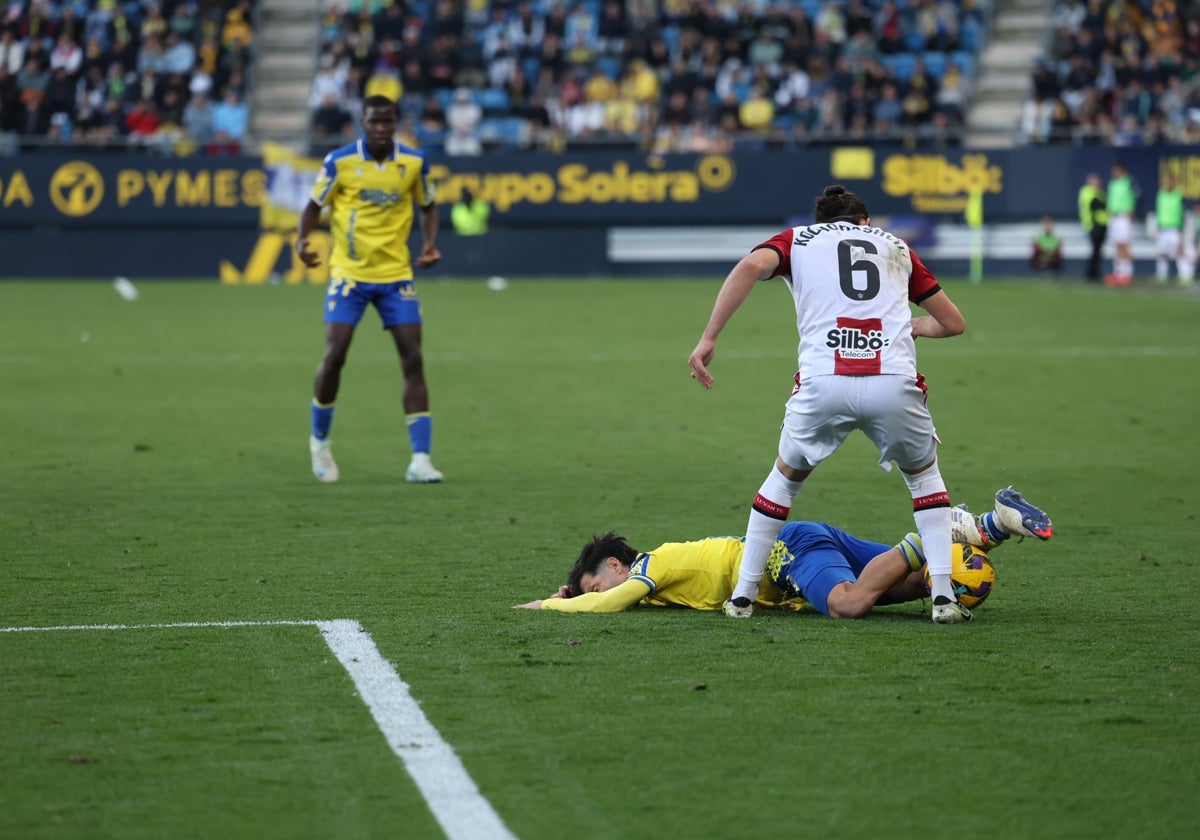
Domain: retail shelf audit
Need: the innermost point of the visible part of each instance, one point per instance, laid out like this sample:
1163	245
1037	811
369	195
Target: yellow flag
289	181
974	212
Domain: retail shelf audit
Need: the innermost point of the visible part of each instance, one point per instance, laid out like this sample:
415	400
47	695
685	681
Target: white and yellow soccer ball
972	576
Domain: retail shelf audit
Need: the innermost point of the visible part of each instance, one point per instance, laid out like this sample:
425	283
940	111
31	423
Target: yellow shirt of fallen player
371	210
699	575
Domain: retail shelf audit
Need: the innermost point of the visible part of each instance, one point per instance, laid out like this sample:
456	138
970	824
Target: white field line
452	796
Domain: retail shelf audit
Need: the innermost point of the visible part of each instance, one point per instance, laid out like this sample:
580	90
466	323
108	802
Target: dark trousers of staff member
1097	235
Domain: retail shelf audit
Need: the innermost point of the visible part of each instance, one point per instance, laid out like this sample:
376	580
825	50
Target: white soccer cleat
739	608
946	611
323	465
421	470
1021	518
965	527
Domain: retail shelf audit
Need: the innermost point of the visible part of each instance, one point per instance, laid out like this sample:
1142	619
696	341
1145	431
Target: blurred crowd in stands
1117	73
665	75
160	74
669	75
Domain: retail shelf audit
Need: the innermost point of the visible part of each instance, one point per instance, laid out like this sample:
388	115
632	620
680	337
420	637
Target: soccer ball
972	575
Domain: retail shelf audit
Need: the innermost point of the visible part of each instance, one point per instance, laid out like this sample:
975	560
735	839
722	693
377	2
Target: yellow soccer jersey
371	210
700	574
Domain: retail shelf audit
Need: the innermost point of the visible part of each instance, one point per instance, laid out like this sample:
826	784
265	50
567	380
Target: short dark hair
377	101
836	203
599	549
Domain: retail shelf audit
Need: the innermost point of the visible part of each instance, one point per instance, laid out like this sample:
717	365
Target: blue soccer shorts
811	558
347	301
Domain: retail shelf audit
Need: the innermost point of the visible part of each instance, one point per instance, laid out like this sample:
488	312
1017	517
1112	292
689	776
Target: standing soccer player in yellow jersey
370	187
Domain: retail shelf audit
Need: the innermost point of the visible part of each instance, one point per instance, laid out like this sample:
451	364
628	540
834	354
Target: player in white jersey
852	284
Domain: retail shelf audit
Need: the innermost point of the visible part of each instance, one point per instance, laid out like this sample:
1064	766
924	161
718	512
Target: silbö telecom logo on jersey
855	338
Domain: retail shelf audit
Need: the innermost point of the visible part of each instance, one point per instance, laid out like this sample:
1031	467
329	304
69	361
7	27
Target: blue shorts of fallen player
811	558
347	301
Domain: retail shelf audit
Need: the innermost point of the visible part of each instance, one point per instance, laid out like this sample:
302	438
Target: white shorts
1120	229
1169	242
889	409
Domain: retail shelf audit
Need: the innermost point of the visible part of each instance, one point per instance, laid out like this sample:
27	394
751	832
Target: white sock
931	512
1186	268
770	510
1162	268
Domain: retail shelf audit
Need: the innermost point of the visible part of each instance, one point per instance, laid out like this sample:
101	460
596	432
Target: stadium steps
1018	37
283	72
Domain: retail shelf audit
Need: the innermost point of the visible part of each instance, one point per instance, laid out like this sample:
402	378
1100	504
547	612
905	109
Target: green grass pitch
156	471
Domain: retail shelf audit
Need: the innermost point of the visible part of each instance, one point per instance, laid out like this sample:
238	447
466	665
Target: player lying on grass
812	563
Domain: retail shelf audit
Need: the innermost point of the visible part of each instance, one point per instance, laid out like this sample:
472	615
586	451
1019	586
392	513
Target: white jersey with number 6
852	285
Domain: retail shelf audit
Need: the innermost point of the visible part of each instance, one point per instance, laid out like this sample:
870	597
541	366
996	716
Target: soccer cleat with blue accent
1021	518
323	465
739	608
421	470
966	528
946	611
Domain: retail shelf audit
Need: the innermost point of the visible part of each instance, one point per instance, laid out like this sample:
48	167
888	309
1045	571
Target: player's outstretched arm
613	600
564	591
760	264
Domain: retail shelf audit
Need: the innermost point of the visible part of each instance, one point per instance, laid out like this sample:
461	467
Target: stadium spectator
527	30
12	52
462	121
939	132
236	33
331	122
179	56
151	56
230	119
612	30
756	113
330	80
198	119
142	120
66	55
889	111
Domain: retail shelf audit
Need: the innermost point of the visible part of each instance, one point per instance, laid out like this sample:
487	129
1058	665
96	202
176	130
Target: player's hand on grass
532	605
430	255
564	591
699	361
308	257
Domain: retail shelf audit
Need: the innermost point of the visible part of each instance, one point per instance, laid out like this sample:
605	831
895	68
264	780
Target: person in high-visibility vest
1122	206
469	215
1093	215
1170	217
